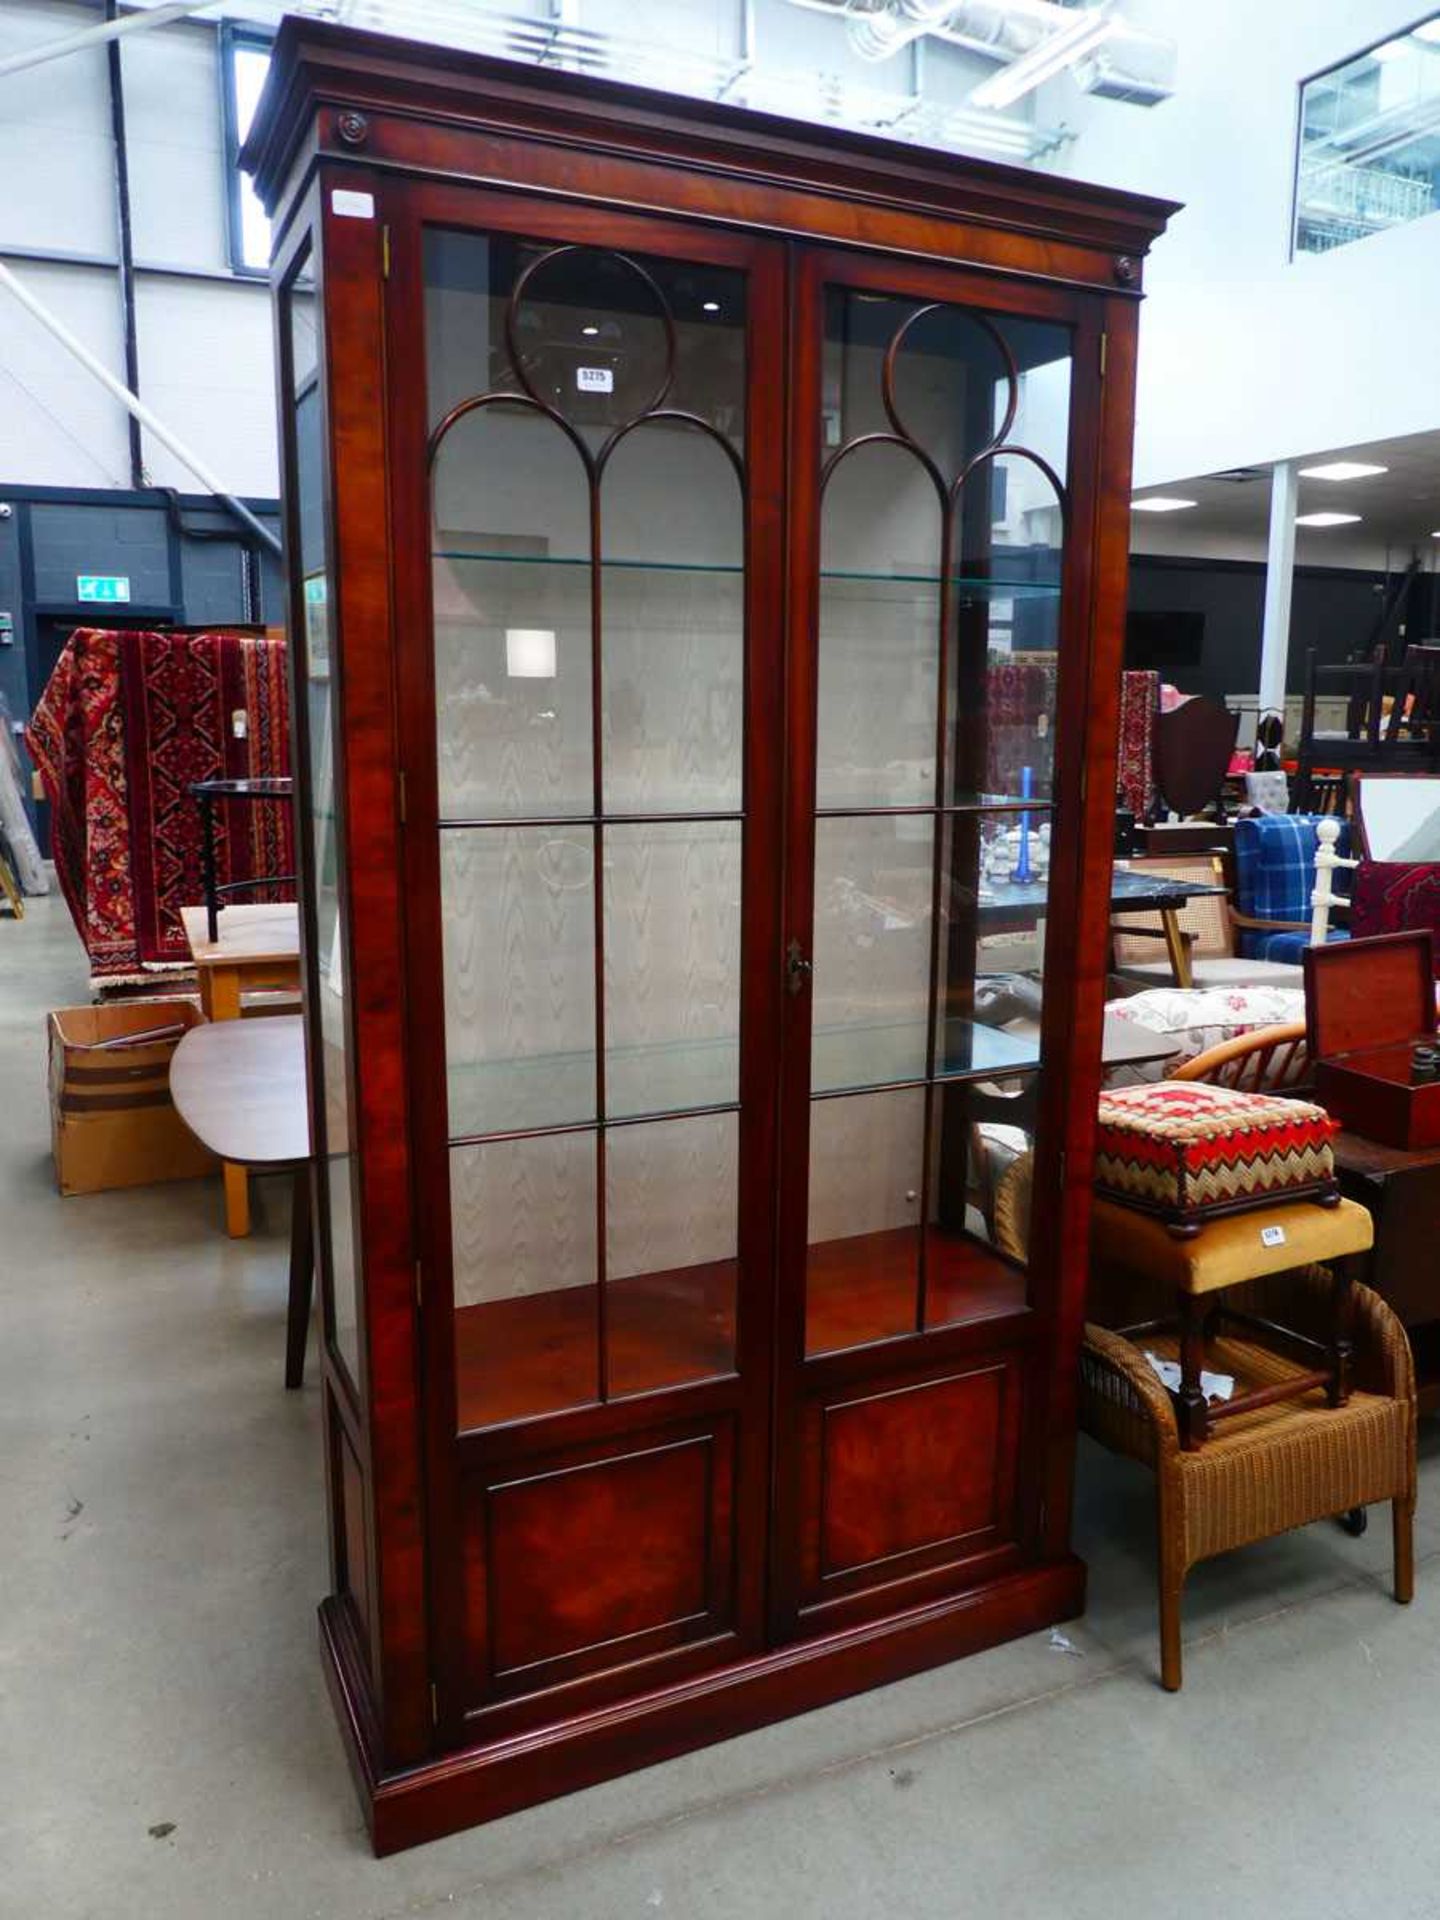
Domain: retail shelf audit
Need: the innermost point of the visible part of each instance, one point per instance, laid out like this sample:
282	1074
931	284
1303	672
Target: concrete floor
166	1748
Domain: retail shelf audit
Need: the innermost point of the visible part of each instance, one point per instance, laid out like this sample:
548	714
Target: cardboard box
1367	1004
112	1122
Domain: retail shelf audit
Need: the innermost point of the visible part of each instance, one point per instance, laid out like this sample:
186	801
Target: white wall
204	334
1247	356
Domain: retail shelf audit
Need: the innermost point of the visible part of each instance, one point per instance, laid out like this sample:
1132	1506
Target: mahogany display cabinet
708	544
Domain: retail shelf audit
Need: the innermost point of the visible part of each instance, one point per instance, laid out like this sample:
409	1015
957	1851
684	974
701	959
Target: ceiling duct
1117	62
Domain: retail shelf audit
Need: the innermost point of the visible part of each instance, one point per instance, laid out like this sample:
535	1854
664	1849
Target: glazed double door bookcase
700	626
677	1108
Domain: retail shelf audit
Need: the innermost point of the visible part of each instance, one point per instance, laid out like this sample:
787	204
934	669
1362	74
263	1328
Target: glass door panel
943	439
512	623
518	907
872	949
672	966
587	417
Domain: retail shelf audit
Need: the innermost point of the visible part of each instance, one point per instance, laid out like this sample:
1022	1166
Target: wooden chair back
1270	1060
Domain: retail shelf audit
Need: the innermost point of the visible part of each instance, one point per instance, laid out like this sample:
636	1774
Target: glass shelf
988	584
495	1098
861	1058
543	1091
964	801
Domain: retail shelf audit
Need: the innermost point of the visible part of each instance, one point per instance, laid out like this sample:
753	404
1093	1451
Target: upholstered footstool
1231	1251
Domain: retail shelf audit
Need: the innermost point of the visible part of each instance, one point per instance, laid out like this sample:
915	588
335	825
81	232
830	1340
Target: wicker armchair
1261	1473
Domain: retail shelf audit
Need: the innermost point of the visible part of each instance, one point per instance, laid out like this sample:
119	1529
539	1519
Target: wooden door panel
909	1475
596	1558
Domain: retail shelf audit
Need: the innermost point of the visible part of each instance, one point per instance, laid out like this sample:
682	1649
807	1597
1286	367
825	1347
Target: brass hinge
1104	338
434	1706
402	796
385	253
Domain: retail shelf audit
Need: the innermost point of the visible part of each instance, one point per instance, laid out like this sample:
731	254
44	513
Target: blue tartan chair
1274	876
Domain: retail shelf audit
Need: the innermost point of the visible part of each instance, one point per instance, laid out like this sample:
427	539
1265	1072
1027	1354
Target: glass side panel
330	1021
587	431
939	597
671	1270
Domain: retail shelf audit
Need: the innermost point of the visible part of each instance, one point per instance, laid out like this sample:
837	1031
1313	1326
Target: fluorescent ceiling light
1341	470
710	306
1160	503
1090	27
1325	519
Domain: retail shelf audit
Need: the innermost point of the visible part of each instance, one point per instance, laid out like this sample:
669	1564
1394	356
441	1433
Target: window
245	61
1369	150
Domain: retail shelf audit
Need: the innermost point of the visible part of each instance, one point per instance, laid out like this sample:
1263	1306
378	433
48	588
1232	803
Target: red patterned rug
1395	896
126	723
1135	776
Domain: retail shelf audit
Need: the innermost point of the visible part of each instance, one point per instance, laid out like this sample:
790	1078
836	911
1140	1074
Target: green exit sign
102	586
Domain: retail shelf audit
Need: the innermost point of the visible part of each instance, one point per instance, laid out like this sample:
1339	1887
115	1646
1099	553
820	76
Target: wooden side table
240	1089
259	947
1401	1189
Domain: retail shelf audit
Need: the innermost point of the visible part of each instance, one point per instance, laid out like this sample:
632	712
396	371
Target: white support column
1279	579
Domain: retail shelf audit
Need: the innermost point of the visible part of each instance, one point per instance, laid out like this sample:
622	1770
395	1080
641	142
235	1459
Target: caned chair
1260	1473
1141	953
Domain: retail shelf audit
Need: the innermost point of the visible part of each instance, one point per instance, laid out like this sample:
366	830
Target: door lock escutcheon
797	968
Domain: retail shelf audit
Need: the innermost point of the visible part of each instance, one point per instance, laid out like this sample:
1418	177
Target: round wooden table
239	1086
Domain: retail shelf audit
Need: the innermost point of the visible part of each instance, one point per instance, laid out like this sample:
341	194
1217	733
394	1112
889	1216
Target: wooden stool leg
1403	1521
1341	1346
1194	1415
302	1279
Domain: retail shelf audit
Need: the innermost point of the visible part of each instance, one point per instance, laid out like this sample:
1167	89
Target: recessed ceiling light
1325	519
1341	470
710	306
1160	503
589	332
